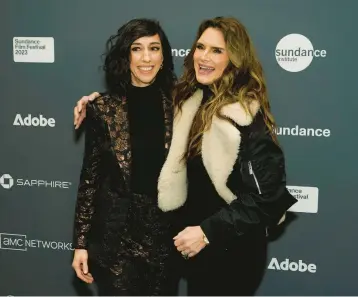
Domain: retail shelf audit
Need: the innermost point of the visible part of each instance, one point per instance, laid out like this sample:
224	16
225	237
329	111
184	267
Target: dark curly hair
117	63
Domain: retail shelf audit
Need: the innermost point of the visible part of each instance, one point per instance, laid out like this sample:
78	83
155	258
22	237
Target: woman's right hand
80	265
80	109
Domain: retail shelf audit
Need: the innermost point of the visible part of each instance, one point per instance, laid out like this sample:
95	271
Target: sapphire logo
6	181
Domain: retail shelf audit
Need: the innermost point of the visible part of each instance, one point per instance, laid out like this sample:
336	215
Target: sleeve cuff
207	229
80	243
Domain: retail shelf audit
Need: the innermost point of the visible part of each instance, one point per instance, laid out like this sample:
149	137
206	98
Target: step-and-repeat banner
50	56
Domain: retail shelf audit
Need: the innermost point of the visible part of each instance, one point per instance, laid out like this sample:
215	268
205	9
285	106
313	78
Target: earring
161	66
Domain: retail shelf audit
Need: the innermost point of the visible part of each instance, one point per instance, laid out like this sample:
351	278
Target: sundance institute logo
295	52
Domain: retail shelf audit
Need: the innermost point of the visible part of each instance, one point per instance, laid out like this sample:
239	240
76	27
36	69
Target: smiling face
146	58
210	56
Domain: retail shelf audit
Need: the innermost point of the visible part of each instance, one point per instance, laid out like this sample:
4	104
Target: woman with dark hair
121	237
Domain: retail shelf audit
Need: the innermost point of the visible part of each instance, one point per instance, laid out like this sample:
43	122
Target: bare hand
80	265
80	109
190	241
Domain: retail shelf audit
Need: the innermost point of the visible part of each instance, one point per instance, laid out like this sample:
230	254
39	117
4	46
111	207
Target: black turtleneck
146	126
207	93
203	199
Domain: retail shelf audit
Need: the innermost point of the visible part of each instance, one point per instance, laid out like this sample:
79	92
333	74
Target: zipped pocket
251	172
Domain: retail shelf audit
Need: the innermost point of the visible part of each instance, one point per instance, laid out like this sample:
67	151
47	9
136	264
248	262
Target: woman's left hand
190	241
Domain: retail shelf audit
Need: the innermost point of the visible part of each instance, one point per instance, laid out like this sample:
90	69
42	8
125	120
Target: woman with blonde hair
224	179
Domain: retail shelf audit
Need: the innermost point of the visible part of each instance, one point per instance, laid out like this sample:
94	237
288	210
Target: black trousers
110	284
236	269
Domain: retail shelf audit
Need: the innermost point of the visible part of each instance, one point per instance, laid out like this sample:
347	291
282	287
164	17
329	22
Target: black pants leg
233	271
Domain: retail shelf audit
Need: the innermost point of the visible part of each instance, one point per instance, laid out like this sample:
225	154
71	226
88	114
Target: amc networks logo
20	242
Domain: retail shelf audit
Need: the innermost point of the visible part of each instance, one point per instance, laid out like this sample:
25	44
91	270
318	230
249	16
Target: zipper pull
251	171
250	168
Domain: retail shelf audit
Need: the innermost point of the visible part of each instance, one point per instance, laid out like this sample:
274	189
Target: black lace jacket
104	193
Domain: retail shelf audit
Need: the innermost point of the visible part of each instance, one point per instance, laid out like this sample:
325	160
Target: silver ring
185	256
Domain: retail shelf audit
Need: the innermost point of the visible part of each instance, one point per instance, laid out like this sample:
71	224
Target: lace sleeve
89	179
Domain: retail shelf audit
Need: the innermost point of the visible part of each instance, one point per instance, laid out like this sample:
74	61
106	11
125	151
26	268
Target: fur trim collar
220	149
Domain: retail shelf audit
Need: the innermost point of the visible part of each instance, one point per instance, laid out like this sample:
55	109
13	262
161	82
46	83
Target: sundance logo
288	265
20	242
180	52
295	52
301	131
31	121
307	199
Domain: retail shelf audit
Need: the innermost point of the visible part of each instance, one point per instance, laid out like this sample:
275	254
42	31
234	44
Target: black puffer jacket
258	180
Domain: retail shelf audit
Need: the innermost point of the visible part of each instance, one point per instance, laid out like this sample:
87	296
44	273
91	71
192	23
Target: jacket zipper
251	171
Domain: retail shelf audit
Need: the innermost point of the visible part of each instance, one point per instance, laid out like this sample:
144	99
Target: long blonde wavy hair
242	81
